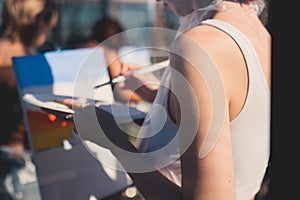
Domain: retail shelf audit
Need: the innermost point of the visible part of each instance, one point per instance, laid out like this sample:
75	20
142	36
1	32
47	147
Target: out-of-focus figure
104	33
25	25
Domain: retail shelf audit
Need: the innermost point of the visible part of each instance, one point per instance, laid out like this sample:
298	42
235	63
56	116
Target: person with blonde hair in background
25	26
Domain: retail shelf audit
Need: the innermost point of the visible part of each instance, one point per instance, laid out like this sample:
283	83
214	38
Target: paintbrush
141	70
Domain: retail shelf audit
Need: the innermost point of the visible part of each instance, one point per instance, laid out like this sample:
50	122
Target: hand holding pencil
137	71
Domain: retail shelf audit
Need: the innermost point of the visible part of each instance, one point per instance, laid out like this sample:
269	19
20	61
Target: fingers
126	67
68	102
74	104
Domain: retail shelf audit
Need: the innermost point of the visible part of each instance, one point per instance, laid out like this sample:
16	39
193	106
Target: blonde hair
21	16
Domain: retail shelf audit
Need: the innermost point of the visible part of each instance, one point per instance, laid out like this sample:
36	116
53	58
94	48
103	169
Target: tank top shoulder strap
252	61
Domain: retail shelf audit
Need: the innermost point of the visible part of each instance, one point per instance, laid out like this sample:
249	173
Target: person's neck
253	8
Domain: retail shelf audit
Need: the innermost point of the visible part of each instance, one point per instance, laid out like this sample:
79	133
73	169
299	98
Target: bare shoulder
223	49
211	49
7	51
207	44
227	57
214	41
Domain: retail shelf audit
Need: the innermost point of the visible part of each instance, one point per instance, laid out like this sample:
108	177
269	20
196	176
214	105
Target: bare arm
210	177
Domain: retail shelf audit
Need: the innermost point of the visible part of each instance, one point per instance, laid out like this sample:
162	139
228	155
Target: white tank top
250	130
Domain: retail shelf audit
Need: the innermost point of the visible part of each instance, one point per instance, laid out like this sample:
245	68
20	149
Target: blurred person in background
102	30
102	34
25	25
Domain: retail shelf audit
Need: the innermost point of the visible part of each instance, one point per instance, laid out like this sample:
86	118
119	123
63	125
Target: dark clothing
11	115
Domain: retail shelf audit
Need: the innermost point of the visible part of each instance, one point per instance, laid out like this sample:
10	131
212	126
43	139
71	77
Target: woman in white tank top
209	138
232	155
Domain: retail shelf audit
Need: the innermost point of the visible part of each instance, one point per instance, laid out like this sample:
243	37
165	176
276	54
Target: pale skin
234	74
211	177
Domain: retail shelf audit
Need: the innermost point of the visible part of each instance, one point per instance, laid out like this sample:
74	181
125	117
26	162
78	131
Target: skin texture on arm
208	178
211	177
